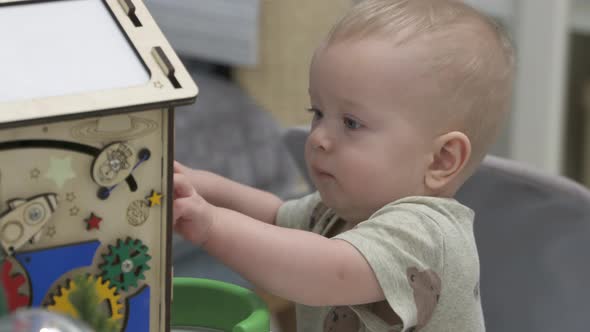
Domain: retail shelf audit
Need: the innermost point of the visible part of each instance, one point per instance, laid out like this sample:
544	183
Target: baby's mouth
322	173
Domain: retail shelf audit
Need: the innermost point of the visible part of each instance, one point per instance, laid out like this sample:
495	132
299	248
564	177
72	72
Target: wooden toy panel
88	197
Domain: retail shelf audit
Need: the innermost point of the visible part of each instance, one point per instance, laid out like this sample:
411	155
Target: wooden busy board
86	134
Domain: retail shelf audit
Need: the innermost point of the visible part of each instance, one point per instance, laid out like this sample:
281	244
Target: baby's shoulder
439	210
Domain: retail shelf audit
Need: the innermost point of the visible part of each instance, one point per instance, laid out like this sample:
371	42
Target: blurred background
250	59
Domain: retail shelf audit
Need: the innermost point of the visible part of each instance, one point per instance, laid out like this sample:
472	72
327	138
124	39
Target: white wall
541	31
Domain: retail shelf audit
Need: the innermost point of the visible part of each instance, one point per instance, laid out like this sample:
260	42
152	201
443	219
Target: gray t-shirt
423	253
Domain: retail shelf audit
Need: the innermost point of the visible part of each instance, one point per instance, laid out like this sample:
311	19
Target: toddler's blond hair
470	55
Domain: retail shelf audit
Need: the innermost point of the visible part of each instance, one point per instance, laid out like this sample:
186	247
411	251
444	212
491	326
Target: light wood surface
67	173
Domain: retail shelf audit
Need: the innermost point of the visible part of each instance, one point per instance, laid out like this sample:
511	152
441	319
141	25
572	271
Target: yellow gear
62	304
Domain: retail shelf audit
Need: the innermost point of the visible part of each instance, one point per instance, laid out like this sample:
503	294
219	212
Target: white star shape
60	171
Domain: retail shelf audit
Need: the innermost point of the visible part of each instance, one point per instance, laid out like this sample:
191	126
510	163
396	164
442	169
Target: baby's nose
320	139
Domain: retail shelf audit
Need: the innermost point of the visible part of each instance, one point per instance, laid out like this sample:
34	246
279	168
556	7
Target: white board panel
57	48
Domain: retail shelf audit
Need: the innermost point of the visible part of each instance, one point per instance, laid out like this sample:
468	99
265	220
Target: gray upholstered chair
533	236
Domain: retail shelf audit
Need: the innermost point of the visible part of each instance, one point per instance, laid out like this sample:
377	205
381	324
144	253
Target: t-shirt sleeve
404	247
296	213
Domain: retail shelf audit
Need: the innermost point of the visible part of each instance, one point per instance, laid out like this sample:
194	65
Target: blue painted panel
138	308
45	266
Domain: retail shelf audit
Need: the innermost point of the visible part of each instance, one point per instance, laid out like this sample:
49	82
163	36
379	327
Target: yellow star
155	198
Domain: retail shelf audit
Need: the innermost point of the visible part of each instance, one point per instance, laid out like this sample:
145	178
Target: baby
406	96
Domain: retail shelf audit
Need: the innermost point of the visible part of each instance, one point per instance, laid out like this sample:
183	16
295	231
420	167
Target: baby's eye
317	114
351	123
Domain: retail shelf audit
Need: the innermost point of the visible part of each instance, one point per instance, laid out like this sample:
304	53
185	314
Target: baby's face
367	147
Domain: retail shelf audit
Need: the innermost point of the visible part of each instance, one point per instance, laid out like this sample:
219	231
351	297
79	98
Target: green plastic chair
217	305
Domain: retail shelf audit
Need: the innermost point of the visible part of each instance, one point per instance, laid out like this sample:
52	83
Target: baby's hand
193	215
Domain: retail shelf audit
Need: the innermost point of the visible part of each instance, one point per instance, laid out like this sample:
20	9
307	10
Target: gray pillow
226	132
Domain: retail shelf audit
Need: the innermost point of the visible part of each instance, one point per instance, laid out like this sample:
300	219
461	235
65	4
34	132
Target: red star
93	222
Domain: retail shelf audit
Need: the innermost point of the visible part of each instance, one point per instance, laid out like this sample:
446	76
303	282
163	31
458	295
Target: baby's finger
182	187
178	167
182	209
183	229
178	210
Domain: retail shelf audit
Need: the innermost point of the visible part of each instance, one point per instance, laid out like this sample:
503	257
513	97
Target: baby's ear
451	153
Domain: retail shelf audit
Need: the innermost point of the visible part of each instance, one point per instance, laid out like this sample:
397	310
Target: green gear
125	263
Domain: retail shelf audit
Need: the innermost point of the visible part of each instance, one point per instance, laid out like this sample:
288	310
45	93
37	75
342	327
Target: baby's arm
225	193
300	266
297	265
